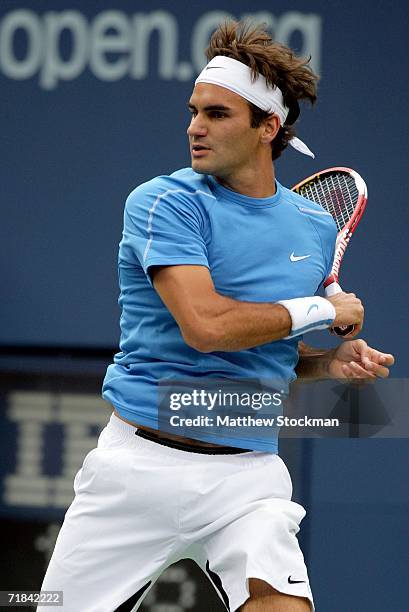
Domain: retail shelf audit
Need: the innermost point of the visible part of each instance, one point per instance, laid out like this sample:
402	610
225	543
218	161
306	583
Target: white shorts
140	506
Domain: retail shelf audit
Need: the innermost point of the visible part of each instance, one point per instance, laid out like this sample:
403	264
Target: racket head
342	192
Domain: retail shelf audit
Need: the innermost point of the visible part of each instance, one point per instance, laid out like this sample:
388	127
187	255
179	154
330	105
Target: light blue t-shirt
253	249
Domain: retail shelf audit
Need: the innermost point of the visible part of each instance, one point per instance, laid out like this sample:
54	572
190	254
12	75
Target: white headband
236	76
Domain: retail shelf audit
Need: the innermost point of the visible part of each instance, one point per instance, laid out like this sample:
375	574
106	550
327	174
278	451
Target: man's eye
218	115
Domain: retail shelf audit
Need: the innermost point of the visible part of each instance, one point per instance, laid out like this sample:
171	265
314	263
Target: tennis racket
341	192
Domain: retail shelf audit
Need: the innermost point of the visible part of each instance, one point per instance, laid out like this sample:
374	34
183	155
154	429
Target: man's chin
200	167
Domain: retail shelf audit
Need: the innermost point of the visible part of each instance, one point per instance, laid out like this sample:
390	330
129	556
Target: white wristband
308	314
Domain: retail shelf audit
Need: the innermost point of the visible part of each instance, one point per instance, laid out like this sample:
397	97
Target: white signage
114	44
79	416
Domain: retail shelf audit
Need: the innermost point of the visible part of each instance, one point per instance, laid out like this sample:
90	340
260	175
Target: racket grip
342	330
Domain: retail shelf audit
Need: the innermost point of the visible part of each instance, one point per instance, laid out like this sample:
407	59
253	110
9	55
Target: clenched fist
349	311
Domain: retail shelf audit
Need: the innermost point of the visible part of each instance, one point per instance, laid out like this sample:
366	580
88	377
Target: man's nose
197	126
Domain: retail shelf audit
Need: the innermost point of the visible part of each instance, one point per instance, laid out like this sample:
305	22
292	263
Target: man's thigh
118	535
259	543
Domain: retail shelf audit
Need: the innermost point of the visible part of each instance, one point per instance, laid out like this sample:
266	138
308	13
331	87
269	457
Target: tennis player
219	267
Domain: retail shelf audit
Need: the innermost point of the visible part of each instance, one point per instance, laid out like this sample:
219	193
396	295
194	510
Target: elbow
201	339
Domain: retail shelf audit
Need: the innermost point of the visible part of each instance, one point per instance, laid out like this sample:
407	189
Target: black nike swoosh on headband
211	67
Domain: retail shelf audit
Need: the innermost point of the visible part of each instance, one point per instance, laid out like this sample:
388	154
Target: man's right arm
211	322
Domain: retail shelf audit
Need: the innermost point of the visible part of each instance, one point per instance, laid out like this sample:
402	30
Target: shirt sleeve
162	227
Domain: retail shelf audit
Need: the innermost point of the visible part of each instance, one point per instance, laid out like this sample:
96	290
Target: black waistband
190	448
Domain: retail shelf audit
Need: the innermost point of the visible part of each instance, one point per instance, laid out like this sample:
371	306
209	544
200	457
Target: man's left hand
355	359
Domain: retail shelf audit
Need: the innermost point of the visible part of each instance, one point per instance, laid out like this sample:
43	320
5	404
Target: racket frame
345	234
331	284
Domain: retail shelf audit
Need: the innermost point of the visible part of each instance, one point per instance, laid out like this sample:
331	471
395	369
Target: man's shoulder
180	184
315	212
303	204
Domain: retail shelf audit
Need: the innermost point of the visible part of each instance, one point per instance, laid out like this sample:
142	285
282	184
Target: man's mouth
197	147
199	150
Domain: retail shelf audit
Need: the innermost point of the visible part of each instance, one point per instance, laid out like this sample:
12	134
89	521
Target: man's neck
254	184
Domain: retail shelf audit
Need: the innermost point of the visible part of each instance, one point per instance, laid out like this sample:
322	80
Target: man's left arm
352	359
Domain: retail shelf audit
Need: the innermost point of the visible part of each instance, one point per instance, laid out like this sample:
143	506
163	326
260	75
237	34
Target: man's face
222	143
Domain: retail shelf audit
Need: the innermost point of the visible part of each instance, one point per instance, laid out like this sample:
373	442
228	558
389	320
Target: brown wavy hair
252	45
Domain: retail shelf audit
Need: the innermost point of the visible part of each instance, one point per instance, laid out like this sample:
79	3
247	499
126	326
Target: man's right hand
349	311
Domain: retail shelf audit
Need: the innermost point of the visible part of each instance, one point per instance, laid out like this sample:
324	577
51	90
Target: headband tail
300	146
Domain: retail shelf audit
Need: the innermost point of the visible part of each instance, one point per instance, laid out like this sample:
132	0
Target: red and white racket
343	193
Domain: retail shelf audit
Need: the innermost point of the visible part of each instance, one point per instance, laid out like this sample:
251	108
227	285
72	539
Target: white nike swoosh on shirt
298	257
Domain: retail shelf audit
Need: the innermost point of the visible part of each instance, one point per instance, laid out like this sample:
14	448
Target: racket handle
342	330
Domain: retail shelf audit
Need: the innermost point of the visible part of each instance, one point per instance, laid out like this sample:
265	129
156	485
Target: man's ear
270	127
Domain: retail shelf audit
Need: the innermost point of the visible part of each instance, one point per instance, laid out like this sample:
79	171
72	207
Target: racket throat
331	286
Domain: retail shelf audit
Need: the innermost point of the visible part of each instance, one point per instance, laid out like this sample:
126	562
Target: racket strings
336	193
